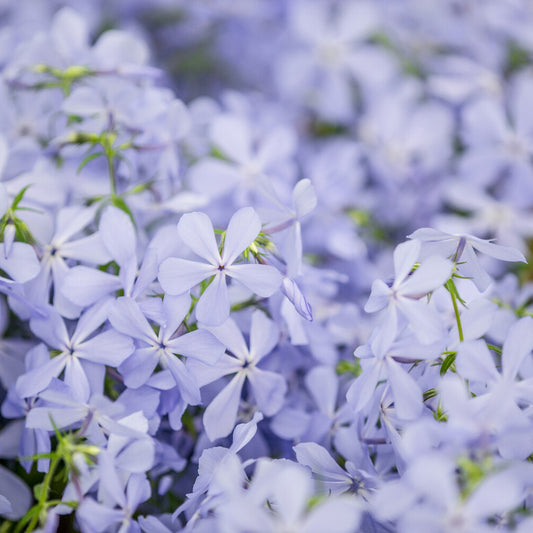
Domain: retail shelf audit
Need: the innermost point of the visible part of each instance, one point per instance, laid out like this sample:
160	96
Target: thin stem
457	317
112	177
44	492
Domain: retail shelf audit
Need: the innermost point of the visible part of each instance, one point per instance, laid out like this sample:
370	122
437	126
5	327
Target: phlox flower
268	388
287	487
161	348
78	351
462	250
403	298
245	167
178	275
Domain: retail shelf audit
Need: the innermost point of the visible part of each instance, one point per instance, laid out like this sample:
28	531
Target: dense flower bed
264	266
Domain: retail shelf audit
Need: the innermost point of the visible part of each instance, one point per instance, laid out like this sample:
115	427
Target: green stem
457	317
44	492
112	177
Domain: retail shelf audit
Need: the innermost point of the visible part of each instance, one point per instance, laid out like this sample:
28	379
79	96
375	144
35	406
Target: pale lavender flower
268	388
404	297
461	249
178	275
162	348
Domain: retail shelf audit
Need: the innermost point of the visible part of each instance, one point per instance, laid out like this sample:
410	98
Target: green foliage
349	367
63	460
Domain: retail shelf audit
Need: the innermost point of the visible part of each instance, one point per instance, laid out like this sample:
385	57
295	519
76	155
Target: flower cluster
263	266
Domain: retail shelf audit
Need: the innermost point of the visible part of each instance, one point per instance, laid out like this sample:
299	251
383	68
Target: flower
178	275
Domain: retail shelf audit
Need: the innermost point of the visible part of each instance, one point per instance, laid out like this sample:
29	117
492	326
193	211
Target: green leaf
119	202
88	159
19	197
26	518
38	491
22	231
447	363
430	393
349	367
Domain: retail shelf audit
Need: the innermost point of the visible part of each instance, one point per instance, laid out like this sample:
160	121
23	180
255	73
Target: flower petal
196	231
213	306
221	414
243	228
264	280
179	275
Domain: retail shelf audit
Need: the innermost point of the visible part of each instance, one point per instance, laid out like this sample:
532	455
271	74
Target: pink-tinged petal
474	362
304	198
33	382
231	135
126	317
85	286
264	335
264	280
199	344
213	177
517	345
108	348
196	231
221	414
21	263
180	275
184	379
407	394
51	329
213	306
269	390
243	228
379	298
430	275
118	234
405	256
